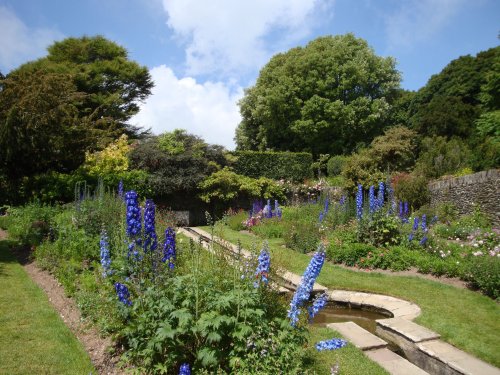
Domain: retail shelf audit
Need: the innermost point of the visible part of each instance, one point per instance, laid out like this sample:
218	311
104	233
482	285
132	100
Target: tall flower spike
184	369
301	295
264	262
169	251
123	294
150	237
134	225
319	302
371	199
105	256
359	202
424	223
120	189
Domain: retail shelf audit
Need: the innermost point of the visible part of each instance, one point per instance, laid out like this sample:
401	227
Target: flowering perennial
332	344
318	303
184	369
134	225
123	294
120	189
262	271
150	237
371	199
169	252
359	202
105	256
305	287
380	195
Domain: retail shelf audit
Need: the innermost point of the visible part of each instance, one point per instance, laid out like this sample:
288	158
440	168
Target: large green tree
79	97
327	97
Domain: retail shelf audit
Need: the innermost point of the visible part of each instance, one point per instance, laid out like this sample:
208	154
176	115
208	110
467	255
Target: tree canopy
78	97
326	97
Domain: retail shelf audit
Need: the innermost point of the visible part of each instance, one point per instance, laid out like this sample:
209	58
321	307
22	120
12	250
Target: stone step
408	329
393	363
461	362
358	336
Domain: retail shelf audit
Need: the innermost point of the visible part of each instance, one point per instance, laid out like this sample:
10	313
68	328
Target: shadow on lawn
12	252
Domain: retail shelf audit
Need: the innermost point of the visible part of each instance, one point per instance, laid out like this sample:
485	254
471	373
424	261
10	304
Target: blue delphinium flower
150	237
105	256
423	241
321	215
342	200
277	209
424	223
380	195
264	262
169	252
120	189
392	200
327	205
403	211
301	295
330	344
371	199
434	220
359	202
319	302
123	294
134	225
414	229
184	369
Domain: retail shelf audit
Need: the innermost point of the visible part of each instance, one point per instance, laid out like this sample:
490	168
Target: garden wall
482	189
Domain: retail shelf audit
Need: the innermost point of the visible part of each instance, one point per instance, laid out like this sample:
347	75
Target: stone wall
482	189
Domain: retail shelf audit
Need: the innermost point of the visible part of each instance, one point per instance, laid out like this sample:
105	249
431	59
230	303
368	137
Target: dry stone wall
481	189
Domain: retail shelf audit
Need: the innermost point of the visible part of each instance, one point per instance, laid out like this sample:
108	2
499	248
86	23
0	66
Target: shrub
379	229
335	165
294	166
411	188
301	236
484	274
349	254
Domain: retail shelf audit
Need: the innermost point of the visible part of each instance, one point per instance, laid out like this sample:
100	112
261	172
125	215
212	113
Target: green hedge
294	166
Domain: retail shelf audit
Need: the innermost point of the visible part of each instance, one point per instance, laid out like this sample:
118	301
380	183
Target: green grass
33	338
464	318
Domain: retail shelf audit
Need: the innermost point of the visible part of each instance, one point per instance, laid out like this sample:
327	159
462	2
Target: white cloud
419	20
19	43
235	37
208	110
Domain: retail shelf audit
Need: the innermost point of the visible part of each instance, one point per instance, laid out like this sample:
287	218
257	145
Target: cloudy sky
202	54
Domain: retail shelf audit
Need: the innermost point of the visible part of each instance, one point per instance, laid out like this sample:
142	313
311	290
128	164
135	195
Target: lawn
33	338
464	318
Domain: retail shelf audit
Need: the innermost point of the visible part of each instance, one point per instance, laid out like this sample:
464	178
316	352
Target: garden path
95	345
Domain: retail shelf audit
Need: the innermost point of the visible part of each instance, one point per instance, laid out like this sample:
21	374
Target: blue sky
203	54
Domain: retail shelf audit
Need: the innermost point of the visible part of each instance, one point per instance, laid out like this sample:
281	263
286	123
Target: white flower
481	242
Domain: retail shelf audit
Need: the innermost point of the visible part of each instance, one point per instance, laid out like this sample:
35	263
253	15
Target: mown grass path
464	318
33	338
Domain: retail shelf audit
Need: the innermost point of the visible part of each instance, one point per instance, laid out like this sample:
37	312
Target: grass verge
464	318
33	338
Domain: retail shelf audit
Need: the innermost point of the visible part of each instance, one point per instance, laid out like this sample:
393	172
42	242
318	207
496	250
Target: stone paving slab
358	336
393	363
458	360
414	332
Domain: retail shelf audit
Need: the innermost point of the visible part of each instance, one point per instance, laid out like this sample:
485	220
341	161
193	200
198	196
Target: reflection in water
336	314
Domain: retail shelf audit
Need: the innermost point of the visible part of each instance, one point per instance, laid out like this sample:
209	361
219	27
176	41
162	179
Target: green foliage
411	188
293	166
484	274
335	165
349	254
439	156
362	169
228	187
379	229
113	159
326	97
301	236
173	173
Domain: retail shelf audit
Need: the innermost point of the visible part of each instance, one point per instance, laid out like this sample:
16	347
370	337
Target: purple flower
415	223
262	271
184	369
371	199
318	303
105	257
424	223
423	241
134	222
332	344
359	202
169	251
120	189
123	294
150	237
301	295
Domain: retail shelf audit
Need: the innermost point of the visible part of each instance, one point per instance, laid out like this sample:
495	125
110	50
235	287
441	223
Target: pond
335	313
